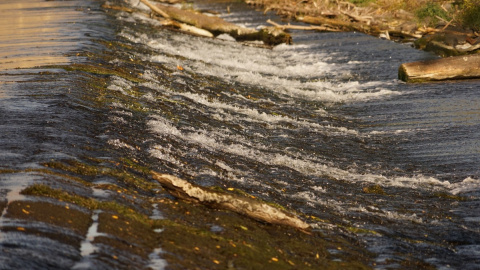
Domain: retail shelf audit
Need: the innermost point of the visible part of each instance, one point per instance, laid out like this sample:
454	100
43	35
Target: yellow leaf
274	259
216	262
25	211
115	217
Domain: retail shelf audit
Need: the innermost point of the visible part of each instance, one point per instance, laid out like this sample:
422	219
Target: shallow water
322	127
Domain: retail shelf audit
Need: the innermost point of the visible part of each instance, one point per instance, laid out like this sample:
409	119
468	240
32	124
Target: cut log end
402	73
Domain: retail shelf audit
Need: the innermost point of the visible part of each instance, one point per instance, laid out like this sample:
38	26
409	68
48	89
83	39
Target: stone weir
75	169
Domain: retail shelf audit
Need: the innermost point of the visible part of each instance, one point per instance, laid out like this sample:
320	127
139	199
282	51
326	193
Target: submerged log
236	203
458	67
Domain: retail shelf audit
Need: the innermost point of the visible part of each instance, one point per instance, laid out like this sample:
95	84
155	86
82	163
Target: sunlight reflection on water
32	33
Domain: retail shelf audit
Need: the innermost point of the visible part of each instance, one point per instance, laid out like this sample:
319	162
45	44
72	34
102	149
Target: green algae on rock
100	70
199	237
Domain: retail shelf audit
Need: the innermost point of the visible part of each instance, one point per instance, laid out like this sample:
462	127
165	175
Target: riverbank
436	27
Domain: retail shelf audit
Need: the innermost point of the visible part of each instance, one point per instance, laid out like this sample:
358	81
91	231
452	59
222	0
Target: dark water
321	127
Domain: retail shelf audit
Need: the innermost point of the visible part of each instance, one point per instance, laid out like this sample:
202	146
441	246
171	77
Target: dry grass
408	5
294	8
371	11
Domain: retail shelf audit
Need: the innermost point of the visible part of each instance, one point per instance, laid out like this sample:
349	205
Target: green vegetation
242	243
375	189
470	16
130	179
89	203
100	70
431	13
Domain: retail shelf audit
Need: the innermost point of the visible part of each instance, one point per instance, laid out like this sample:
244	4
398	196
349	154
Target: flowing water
321	127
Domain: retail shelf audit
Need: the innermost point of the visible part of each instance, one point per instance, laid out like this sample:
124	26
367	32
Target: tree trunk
451	68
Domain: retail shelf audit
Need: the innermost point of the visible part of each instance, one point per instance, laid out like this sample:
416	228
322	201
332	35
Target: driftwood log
217	25
457	67
166	22
236	203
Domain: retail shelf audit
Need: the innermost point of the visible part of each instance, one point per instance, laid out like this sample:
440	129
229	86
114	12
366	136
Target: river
92	99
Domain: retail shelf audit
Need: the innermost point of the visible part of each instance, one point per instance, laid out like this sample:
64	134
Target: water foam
227	112
468	185
309	166
293	71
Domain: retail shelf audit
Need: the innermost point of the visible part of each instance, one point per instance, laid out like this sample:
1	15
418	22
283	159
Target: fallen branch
365	19
155	9
326	21
448	23
187	28
213	24
216	25
236	203
341	25
299	27
166	22
404	34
